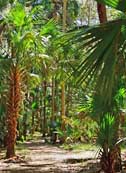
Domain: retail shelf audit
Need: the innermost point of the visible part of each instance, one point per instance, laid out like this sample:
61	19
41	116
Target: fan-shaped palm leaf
103	48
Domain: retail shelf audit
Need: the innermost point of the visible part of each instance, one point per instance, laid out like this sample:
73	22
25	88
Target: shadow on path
42	158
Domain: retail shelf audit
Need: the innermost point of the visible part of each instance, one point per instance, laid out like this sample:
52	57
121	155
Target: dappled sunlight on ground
49	159
43	158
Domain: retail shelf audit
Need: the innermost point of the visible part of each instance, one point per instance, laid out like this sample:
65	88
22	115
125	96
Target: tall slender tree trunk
13	108
33	117
41	110
44	108
68	100
33	122
63	105
25	117
64	14
63	83
53	116
53	100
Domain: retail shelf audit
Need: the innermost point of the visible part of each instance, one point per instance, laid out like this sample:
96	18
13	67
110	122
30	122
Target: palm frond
107	131
103	48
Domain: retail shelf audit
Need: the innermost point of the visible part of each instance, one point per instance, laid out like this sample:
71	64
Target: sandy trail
41	158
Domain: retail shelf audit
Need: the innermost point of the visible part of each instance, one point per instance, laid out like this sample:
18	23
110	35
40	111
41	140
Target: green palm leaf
117	4
103	48
106	134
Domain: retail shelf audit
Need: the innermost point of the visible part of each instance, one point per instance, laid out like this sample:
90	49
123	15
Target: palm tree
103	65
63	106
20	40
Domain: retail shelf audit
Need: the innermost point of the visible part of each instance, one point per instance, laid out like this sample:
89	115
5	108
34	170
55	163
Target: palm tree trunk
44	108
41	111
33	122
68	100
53	100
63	83
64	14
53	116
13	108
63	105
102	13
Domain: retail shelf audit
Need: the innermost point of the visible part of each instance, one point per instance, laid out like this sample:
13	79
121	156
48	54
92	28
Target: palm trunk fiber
13	107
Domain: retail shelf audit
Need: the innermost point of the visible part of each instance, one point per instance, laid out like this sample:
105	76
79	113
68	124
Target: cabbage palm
104	50
26	51
20	40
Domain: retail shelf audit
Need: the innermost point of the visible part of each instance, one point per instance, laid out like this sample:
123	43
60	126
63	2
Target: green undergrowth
36	136
21	149
79	146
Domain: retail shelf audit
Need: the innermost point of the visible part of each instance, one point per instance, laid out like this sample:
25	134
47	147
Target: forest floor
35	156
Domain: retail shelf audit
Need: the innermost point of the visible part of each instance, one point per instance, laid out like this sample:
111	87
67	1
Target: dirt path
40	158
